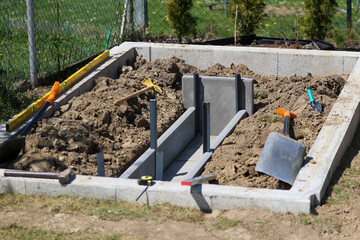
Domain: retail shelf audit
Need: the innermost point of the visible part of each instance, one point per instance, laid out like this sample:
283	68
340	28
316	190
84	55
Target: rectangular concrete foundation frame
312	181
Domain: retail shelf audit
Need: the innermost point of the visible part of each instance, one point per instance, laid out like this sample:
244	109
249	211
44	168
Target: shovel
150	86
11	148
314	105
282	156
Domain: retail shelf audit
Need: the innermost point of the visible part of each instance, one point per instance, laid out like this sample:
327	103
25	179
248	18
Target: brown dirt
91	123
235	160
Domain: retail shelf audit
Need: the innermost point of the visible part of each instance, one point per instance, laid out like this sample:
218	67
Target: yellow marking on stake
34	107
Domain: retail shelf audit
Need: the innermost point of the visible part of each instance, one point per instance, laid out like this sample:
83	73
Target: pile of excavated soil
91	123
235	160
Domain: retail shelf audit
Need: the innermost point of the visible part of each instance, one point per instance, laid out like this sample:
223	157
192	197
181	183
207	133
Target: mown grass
104	209
66	32
343	191
224	224
14	231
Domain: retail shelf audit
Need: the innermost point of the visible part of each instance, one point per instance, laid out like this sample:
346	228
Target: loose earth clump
235	160
91	123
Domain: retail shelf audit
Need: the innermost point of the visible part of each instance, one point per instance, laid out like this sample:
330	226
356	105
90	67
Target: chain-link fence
68	31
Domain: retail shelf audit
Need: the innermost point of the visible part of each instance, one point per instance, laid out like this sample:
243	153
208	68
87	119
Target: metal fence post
238	92
206	127
196	79
153	129
100	164
226	7
349	20
32	45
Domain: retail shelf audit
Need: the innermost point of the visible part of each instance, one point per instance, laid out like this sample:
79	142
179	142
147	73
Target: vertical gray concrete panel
144	52
249	95
178	136
171	144
144	165
220	92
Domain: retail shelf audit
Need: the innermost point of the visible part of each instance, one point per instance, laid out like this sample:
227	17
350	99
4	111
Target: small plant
259	226
248	13
318	17
270	119
11	101
305	219
180	18
224	223
261	95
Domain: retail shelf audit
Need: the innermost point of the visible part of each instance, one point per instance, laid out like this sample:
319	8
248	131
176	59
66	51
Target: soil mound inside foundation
91	123
235	160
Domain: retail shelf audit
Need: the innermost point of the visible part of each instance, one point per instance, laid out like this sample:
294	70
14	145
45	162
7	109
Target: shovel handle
287	117
54	92
310	95
118	102
287	126
49	101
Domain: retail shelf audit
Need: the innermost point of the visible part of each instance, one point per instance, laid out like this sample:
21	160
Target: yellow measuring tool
34	107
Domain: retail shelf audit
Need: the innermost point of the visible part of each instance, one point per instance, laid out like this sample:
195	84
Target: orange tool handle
54	92
285	113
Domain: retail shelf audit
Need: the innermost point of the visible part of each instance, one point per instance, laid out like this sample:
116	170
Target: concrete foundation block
259	60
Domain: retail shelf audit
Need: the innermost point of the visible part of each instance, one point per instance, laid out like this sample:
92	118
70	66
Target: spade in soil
282	156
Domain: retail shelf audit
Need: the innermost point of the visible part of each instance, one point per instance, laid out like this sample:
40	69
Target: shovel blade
147	82
282	157
11	148
315	106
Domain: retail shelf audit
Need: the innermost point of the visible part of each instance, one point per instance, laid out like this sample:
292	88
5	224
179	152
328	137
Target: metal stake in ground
153	129
206	127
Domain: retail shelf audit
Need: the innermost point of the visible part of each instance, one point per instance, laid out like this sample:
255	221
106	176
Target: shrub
178	13
11	101
318	17
250	14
